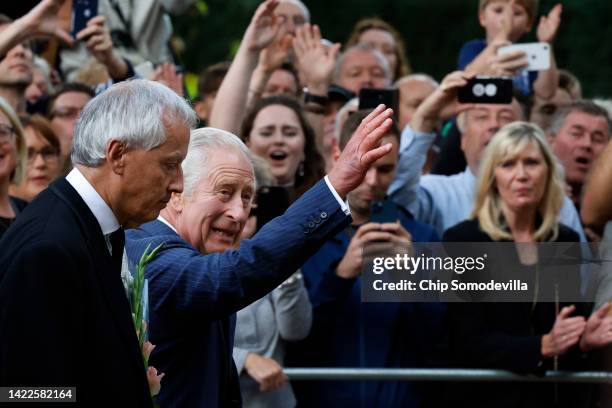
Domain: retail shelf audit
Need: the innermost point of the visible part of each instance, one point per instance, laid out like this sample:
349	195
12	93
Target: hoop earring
301	169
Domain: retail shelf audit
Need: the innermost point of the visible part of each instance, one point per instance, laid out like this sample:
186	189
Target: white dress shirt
103	213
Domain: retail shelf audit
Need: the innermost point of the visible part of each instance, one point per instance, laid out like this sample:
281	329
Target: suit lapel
107	272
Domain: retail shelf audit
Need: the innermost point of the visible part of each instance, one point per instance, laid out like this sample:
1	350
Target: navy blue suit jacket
193	298
347	332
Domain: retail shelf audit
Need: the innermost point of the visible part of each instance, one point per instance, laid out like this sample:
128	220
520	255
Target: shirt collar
165	221
469	176
103	213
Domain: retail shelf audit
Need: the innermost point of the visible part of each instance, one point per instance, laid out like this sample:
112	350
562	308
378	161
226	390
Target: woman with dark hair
43	158
277	130
12	164
382	36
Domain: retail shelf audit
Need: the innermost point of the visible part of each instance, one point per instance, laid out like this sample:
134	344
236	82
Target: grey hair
301	6
201	141
417	77
350	106
584	106
43	66
136	112
362	47
605	104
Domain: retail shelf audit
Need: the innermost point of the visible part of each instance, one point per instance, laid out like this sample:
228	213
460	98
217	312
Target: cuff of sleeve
240	356
335	283
408	136
343	204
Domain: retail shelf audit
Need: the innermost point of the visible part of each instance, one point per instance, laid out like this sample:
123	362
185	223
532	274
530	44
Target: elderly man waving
194	296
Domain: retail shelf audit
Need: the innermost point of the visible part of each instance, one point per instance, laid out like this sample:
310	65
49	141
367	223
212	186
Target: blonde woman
518	198
12	164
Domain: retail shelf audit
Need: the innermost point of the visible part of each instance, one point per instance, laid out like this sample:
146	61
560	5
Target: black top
508	336
18	206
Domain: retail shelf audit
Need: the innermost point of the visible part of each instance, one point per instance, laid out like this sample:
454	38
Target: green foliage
432	30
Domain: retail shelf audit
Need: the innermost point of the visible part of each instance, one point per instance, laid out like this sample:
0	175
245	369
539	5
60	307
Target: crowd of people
259	197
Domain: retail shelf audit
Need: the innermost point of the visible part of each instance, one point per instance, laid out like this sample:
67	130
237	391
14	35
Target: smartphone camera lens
478	90
491	90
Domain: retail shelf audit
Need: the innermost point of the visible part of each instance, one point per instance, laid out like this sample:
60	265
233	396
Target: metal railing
445	374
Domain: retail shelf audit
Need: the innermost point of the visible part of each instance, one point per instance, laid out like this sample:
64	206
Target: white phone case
538	54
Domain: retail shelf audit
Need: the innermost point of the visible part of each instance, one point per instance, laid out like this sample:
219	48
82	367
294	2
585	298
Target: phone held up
383	212
82	12
370	98
483	89
537	54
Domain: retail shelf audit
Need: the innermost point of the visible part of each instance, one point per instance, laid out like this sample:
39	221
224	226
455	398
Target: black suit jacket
64	315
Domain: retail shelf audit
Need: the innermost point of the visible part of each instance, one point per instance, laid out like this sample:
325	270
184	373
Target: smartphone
383	212
486	90
82	12
537	54
370	98
271	202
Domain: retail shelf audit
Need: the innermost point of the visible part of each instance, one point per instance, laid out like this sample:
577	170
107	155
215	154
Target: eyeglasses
48	154
7	133
66	113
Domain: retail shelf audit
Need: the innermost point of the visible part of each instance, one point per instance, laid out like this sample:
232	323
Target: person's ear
201	111
115	155
177	202
481	17
550	137
335	150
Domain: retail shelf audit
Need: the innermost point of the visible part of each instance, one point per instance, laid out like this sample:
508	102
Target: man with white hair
195	288
64	317
362	66
414	89
293	14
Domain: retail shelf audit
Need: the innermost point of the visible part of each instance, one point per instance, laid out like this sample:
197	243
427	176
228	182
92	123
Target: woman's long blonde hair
507	143
20	169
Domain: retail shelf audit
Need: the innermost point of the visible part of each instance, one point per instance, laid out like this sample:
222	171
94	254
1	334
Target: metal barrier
445	374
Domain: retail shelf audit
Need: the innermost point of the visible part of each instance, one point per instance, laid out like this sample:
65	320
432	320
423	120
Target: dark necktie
117	240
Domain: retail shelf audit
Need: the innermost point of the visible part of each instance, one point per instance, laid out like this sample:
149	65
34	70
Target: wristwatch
314	103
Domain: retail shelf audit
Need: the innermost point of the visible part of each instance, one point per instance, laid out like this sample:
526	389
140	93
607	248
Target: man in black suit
64	315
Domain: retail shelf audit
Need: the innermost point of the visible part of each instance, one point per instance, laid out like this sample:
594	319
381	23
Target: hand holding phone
537	55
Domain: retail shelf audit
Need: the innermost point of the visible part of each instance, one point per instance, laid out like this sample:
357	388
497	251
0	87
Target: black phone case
478	90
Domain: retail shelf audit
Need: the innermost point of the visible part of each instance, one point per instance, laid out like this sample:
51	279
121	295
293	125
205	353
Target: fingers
602	311
376	236
455	80
373	155
371	123
63	36
397	229
334	50
375	130
88	31
365	228
266	8
566	311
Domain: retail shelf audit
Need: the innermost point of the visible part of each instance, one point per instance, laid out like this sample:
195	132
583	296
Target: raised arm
315	61
42	20
546	85
596	207
230	103
222	283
